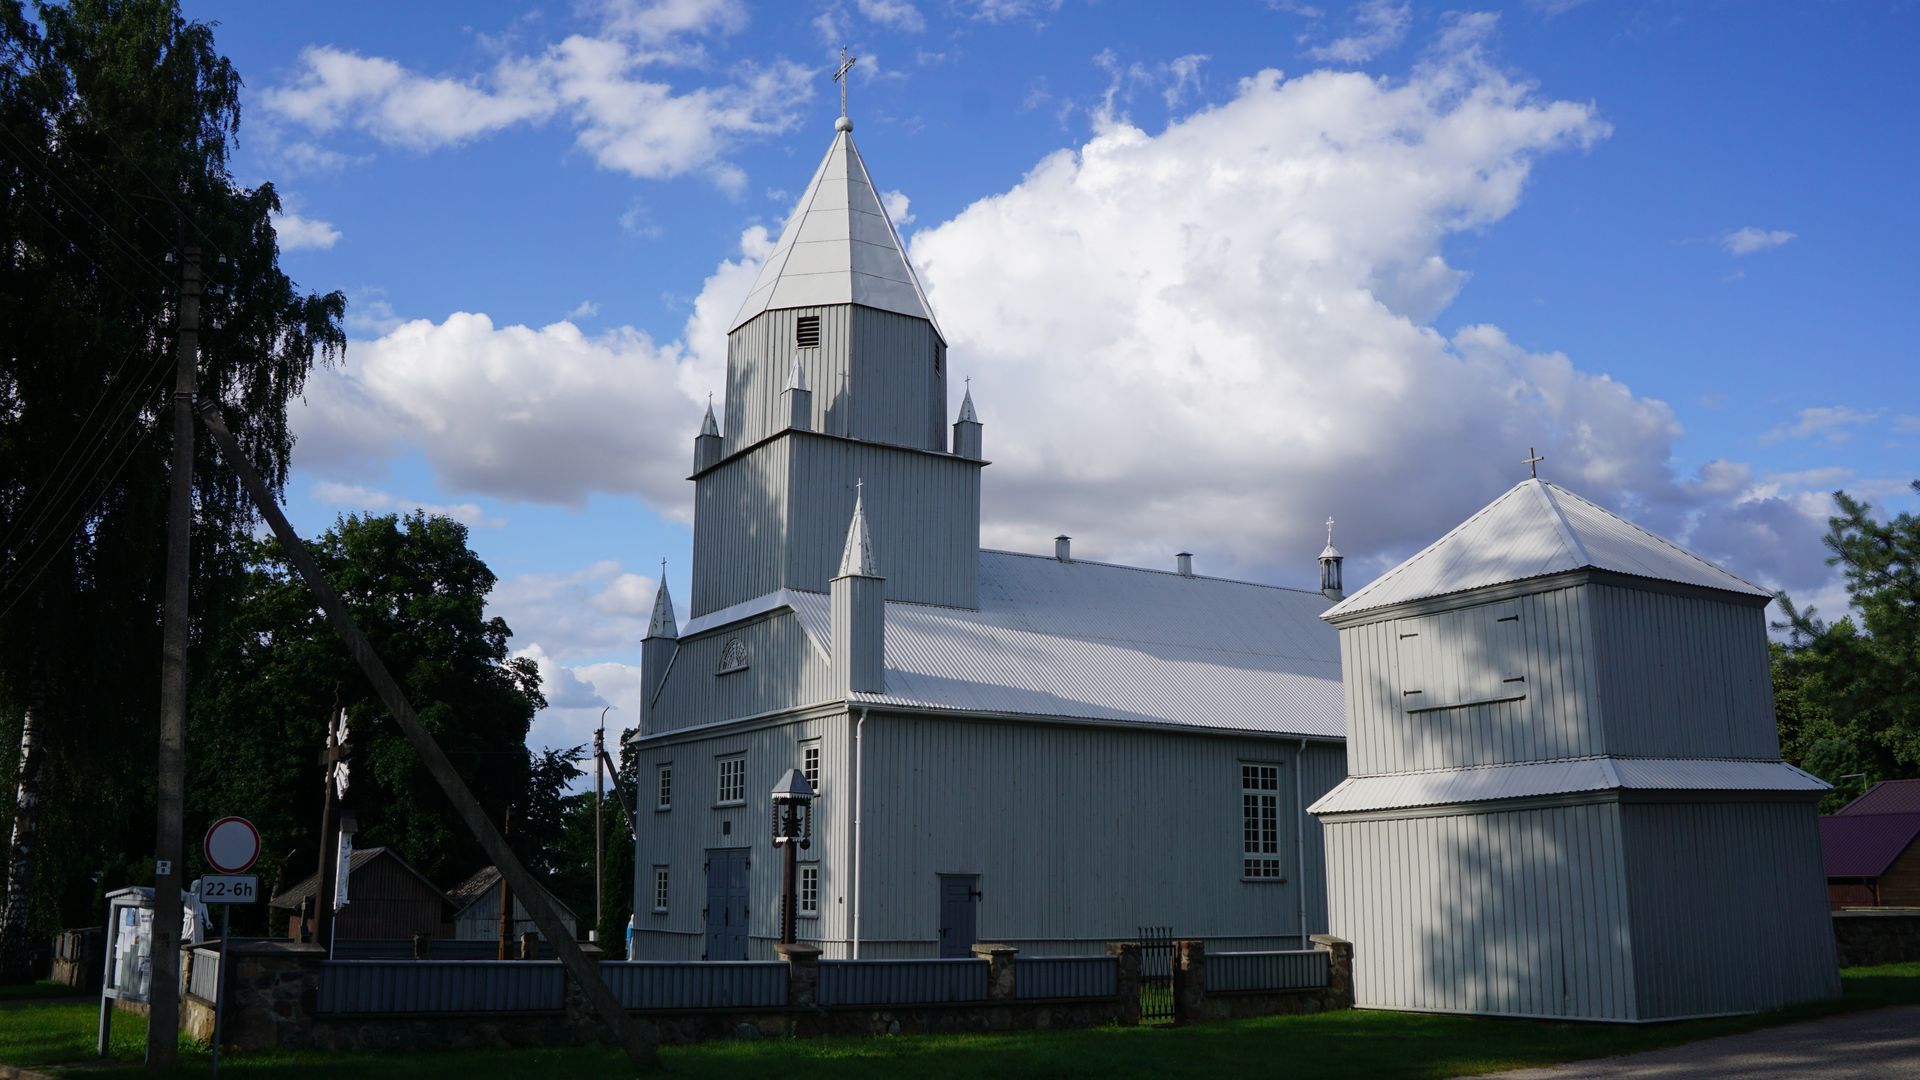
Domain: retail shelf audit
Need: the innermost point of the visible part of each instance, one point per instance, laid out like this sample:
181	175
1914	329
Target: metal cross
1532	462
1329	532
840	76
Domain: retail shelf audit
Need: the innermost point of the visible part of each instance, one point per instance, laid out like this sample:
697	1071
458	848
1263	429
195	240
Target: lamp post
792	830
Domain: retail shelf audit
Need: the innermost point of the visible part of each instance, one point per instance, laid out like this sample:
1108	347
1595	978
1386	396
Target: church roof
1087	640
1534	530
839	247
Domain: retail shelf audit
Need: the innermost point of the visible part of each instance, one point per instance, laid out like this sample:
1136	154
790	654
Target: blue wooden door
727	881
958	893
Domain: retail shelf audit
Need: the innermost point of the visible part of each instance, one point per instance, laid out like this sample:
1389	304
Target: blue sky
1219	269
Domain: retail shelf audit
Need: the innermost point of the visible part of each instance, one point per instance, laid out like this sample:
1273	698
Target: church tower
836	370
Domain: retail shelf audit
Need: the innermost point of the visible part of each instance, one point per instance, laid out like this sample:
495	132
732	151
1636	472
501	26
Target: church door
958	893
727	887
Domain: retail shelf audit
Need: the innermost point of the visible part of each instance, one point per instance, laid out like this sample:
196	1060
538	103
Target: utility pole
599	819
163	990
506	896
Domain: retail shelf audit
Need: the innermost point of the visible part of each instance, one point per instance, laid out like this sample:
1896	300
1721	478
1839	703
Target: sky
1217	271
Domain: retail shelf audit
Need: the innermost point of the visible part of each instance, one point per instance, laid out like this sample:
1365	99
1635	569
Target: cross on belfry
1329	532
1532	462
840	76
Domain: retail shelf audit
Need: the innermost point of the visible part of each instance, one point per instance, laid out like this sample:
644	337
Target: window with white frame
733	781
660	890
663	798
1260	822
810	765
809	889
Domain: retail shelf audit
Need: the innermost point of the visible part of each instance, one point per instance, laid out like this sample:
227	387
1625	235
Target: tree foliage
1848	693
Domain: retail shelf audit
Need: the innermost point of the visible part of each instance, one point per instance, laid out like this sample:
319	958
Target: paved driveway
1879	1044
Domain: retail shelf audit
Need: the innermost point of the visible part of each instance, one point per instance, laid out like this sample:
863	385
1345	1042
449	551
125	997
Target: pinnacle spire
663	624
797	376
709	426
1329	552
967	415
857	559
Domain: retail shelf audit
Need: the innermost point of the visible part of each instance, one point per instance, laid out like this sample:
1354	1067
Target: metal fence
1303	969
1156	974
704	984
437	949
902	982
1066	977
204	979
440	986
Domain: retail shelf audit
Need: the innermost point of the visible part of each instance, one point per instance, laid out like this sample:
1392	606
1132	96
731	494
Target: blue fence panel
1066	977
440	986
437	949
704	984
902	982
204	979
1303	969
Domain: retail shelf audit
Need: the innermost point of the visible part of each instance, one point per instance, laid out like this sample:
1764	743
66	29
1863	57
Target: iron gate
1156	974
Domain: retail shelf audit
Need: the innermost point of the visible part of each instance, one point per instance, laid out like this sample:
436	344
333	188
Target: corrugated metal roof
1865	845
1094	641
1482	783
297	894
839	247
1534	530
1887	797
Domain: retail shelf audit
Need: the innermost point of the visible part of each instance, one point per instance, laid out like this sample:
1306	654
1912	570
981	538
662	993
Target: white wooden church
1008	747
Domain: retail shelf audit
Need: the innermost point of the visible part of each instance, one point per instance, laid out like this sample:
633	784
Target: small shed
386	898
1872	848
476	903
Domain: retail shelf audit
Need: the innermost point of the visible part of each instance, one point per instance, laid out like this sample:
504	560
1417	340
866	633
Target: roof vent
806	332
1183	562
1063	548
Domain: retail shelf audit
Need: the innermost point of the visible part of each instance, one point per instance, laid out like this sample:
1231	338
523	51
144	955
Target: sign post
231	846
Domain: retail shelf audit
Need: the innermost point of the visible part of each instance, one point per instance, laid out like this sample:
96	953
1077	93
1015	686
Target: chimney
1063	548
857	599
1183	562
706	446
1330	561
657	648
796	401
966	430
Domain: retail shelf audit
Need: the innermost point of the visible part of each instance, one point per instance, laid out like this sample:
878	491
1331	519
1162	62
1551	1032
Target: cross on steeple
1329	532
1532	462
840	76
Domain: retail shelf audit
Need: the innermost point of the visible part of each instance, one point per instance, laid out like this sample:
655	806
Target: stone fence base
1192	1001
1877	936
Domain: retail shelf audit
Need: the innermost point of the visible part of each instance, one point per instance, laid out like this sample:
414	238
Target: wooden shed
386	898
1872	848
476	906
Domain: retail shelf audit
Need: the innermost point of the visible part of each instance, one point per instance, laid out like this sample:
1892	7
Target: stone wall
1877	936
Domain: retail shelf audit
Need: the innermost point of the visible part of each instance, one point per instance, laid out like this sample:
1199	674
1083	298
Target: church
1023	748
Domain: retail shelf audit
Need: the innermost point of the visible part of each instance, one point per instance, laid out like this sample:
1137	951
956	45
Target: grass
59	1036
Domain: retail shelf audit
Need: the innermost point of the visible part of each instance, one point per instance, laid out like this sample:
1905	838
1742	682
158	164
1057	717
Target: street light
792	830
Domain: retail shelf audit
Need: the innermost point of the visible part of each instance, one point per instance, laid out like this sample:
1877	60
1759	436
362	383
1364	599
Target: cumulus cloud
1830	422
894	14
1378	25
356	497
577	616
898	207
1749	240
1000	11
297	233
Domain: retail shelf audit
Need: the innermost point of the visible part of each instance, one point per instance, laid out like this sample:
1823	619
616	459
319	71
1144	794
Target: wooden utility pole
599	820
505	930
163	989
585	973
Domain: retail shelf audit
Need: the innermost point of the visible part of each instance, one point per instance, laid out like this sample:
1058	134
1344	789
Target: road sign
231	845
229	889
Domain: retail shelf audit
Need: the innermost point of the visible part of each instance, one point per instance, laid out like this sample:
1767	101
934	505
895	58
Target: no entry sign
231	845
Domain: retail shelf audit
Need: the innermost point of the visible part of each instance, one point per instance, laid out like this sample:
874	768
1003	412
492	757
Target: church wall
1079	835
1518	912
740	528
784	670
897	390
679	838
923	512
1682	676
1434	690
873	377
1729	907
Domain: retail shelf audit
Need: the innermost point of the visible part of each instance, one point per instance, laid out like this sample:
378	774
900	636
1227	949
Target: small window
806	332
809	889
664	799
810	765
733	781
1260	822
660	890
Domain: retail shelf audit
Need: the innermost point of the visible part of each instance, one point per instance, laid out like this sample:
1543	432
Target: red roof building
1872	848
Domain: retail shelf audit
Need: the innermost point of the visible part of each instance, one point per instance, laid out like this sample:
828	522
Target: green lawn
61	1034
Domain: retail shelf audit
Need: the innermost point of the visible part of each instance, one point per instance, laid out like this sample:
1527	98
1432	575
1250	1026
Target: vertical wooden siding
873	377
784	670
923	512
1522	912
1683	676
740	528
1729	907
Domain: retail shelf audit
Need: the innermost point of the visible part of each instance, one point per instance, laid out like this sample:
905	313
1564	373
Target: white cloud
297	233
897	206
1830	422
1378	25
585	309
894	14
1000	11
1748	240
578	616
1907	424
655	21
399	106
356	497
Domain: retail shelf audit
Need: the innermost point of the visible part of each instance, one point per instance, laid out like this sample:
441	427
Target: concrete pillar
1126	983
1189	981
803	974
1000	976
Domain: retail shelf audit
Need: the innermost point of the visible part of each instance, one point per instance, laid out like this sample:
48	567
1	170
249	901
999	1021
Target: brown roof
298	894
1887	797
